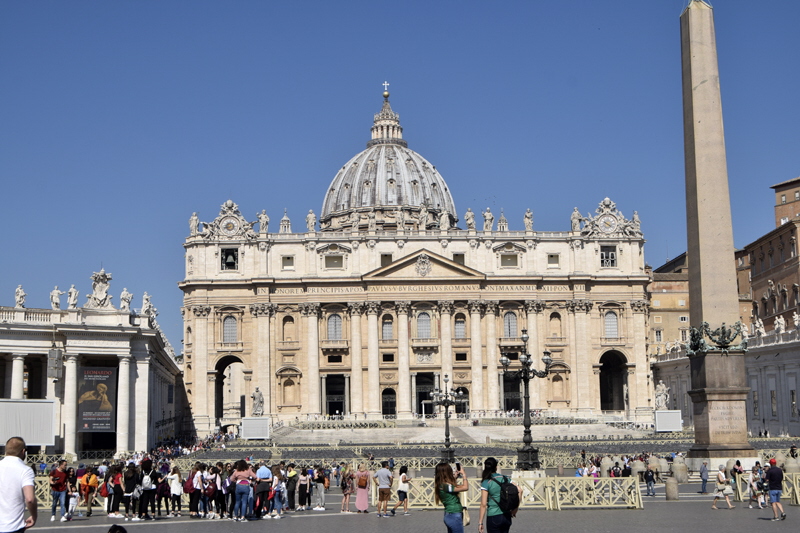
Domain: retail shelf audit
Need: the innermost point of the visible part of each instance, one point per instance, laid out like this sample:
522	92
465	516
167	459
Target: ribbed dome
383	179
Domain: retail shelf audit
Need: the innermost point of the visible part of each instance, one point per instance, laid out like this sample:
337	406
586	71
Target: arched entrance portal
388	402
229	391
613	379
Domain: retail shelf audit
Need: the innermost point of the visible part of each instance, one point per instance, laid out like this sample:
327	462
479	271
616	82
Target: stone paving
692	513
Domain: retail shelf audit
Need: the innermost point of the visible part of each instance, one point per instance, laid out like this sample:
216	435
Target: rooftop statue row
608	221
98	299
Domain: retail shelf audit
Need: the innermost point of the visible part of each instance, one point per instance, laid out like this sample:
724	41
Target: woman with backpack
148	480
362	481
446	490
493	485
175	490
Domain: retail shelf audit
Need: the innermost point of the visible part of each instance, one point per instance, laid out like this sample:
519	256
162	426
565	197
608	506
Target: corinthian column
534	309
70	404
203	417
403	368
445	314
357	378
262	315
311	313
476	355
491	356
373	361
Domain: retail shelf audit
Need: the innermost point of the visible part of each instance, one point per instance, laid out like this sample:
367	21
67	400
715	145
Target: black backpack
509	496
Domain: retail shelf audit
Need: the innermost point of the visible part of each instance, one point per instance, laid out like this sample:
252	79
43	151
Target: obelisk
719	389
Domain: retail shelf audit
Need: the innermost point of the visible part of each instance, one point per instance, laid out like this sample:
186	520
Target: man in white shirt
16	489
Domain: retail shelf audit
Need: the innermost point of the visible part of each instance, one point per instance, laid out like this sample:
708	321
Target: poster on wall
97	399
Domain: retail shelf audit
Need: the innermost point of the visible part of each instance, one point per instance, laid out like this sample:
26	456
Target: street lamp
446	399
527	456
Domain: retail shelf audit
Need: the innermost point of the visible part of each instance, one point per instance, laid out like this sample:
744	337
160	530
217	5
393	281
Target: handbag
465	516
728	491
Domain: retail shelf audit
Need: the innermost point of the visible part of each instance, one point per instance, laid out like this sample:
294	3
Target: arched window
229	329
461	327
387	329
334	327
509	325
555	325
288	329
424	325
611	325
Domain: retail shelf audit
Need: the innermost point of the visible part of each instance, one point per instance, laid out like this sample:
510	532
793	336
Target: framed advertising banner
97	399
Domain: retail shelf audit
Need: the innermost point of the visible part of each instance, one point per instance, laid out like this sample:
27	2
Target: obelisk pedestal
719	390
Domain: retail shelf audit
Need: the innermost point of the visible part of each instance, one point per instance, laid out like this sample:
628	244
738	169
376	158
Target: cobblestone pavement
692	513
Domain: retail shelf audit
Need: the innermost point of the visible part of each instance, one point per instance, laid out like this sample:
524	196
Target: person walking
775	478
362	480
384	478
17	491
722	489
704	477
497	521
58	489
446	490
403	488
347	485
650	480
752	487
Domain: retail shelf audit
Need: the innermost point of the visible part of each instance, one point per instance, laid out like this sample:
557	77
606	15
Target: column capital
402	307
576	306
491	306
373	308
266	309
18	356
355	308
446	307
639	306
125	358
475	306
201	310
534	306
309	309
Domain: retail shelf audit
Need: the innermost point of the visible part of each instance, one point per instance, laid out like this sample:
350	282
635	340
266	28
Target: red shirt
58	480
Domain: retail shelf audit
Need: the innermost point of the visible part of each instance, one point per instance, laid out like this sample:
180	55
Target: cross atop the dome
386	86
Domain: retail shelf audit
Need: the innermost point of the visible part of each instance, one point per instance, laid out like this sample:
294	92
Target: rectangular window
230	259
755	403
773	397
334	359
656	303
552	260
386	259
461	328
684	319
783	198
797	195
684	335
287	262
608	256
388	358
793	402
461	357
458	258
784	220
657	319
659	336
387	332
508	260
682	303
334	261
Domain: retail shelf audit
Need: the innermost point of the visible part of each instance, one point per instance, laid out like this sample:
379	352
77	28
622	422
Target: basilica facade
366	310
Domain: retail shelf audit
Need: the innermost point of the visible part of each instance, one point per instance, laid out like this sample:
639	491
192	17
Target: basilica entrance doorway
512	399
612	381
388	403
335	395
424	386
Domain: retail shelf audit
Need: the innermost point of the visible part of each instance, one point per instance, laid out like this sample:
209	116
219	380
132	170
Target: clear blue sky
118	119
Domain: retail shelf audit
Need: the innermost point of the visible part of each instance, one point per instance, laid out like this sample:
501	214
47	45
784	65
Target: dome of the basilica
387	185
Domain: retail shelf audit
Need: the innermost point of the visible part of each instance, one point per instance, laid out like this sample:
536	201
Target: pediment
424	265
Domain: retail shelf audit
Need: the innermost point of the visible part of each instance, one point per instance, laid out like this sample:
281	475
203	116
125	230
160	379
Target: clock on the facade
607	223
229	225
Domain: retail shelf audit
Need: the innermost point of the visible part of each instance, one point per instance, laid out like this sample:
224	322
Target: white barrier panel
33	420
